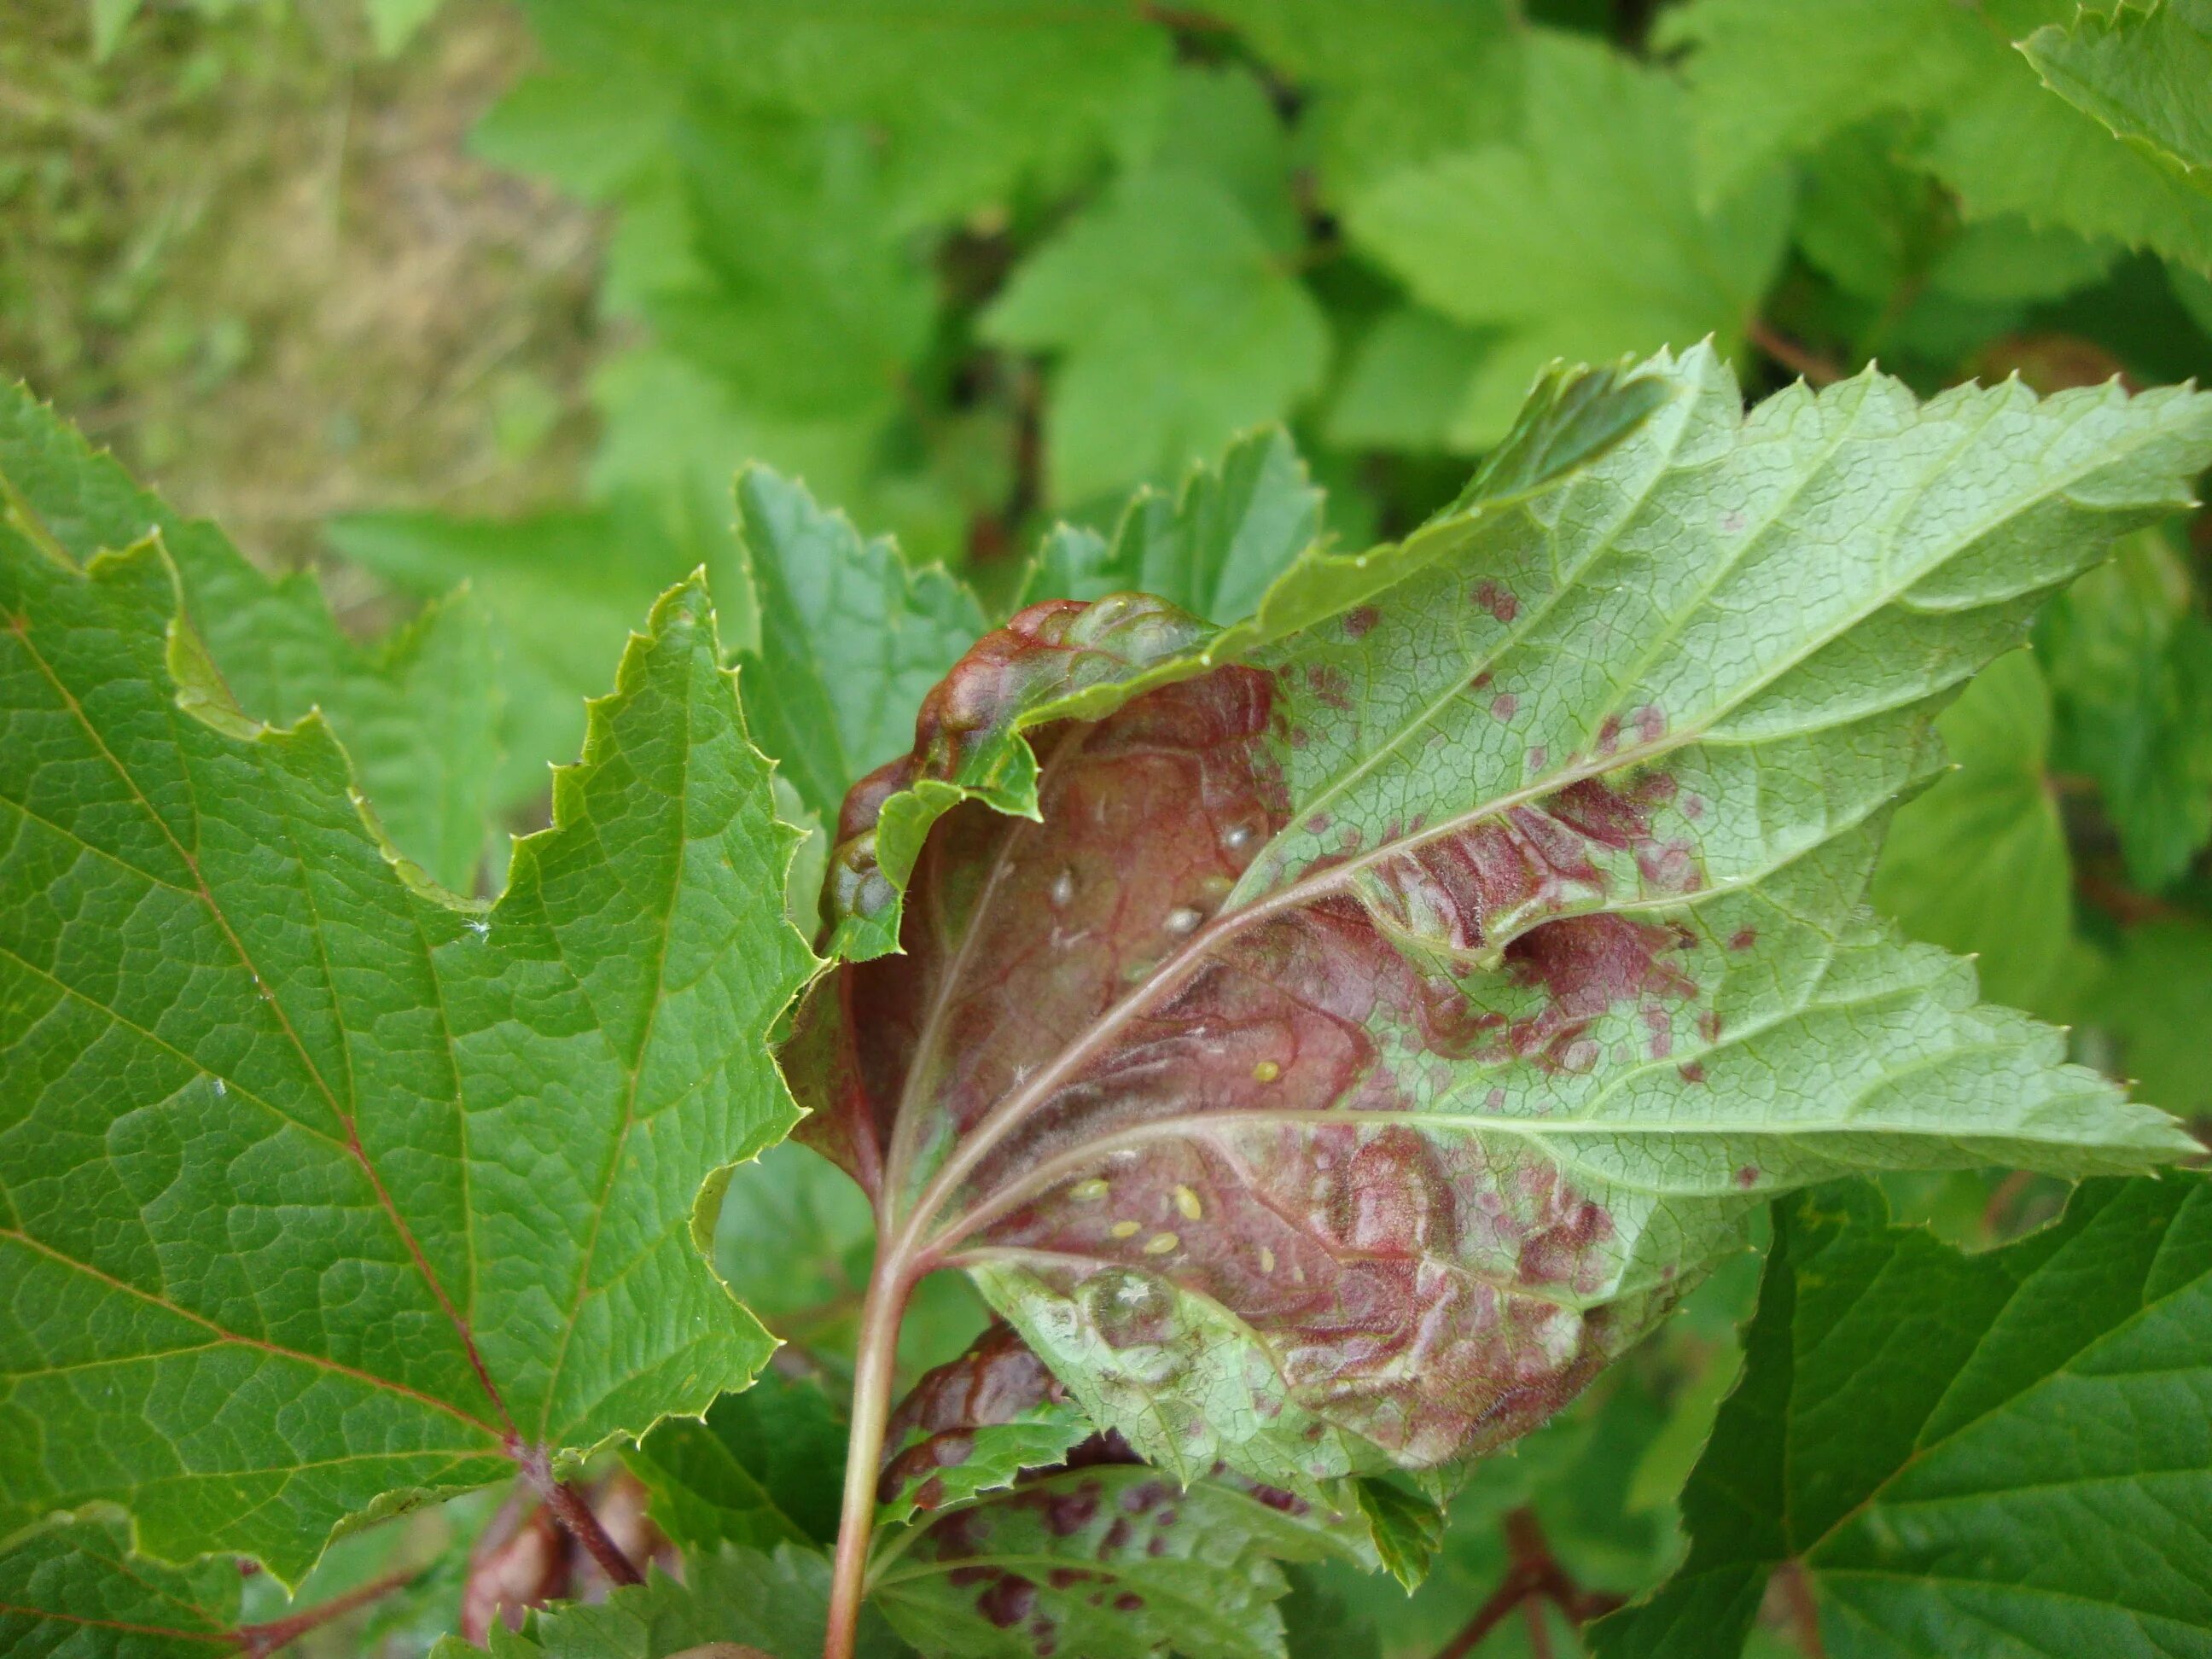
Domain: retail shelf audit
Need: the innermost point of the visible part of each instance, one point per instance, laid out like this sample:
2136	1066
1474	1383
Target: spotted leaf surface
973	1424
1369	1039
320	1187
1109	1562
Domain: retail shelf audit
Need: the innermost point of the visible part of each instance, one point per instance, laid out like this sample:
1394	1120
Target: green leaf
1393	82
323	1188
2131	670
794	245
393	23
562	588
1004	100
1770	82
777	1603
1108	1562
756	1471
418	712
1979	864
2140	69
2001	1454
1583	239
1480	955
1173	323
793	1241
73	1590
850	639
110	18
1407	377
2155	1000
1212	547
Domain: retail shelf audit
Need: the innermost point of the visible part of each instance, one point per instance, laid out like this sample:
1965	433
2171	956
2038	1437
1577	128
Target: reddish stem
1804	1615
567	1506
1533	1576
261	1640
875	1364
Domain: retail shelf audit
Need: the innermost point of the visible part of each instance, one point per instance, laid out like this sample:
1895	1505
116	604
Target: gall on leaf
1340	1054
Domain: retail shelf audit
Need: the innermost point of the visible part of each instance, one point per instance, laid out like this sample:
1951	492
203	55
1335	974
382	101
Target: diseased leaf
1332	1058
851	639
973	1424
1108	1561
1582	238
2003	1453
1980	865
1211	548
2142	70
759	1470
1772	82
324	1189
418	712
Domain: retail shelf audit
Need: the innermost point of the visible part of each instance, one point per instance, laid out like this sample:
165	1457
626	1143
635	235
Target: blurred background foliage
503	293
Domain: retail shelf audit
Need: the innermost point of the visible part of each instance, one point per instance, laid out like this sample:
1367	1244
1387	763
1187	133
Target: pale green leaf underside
1763	613
318	1186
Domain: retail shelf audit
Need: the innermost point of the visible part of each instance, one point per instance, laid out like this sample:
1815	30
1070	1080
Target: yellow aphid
1088	1192
1266	1260
1161	1244
1266	1072
1123	1230
1187	1201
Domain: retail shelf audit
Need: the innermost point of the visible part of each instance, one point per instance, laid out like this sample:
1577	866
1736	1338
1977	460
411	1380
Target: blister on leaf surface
1367	1040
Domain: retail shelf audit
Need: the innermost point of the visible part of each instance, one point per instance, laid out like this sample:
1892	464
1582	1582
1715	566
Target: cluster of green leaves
331	1185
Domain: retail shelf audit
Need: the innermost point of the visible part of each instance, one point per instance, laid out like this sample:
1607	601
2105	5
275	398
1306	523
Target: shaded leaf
758	1470
2131	666
2000	1454
1212	547
1174	322
2142	71
418	712
1772	81
1366	1041
851	639
1393	82
1980	865
325	1188
2154	998
1581	238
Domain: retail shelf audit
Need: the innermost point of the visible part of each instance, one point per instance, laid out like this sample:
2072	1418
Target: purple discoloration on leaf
1420	1291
